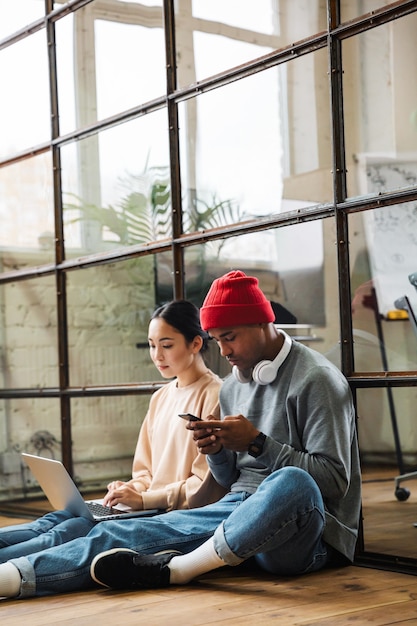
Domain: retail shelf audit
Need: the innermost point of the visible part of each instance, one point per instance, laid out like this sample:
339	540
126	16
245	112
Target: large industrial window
148	147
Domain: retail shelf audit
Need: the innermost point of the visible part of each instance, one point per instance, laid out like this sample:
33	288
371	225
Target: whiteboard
391	235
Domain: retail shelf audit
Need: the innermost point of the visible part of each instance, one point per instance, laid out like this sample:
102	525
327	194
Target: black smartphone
190	417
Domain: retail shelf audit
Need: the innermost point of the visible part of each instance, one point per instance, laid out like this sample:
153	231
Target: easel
401	304
391	404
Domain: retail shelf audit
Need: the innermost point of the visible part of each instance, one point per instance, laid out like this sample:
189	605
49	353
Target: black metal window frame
339	209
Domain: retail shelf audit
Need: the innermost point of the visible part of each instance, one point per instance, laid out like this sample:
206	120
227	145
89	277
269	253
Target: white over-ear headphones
265	372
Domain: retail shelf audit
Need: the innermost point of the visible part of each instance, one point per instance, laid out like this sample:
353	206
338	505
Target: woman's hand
120	492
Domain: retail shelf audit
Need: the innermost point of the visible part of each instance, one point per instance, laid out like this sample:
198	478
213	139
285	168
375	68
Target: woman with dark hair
168	471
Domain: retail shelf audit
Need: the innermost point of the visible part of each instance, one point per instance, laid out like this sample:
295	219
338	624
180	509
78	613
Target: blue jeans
53	529
281	525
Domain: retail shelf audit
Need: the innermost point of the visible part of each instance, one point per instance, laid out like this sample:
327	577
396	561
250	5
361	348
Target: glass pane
15	15
65	60
25	118
350	10
131	70
241	13
26	425
104	434
383	251
381	469
293	281
380	108
109	308
116	186
241	162
97	80
29	332
27	213
239	31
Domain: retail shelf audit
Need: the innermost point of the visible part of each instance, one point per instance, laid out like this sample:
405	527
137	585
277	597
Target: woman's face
169	350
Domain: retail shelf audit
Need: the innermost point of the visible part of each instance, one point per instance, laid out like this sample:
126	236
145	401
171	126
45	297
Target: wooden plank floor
350	596
240	596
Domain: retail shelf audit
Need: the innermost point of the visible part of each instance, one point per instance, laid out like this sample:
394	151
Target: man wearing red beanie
286	451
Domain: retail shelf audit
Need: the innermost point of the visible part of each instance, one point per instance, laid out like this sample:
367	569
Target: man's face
243	346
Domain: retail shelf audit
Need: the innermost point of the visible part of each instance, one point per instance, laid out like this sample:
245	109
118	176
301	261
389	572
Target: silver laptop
63	493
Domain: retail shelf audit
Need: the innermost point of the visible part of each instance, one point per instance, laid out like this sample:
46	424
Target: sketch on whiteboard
391	235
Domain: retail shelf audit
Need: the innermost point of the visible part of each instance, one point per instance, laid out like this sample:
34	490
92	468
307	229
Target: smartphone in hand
190	417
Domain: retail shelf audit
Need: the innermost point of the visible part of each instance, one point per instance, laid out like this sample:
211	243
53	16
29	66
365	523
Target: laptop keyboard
100	510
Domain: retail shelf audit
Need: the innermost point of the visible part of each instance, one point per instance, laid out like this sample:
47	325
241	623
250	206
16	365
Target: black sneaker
121	568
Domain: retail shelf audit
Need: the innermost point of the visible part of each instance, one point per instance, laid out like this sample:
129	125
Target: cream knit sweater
168	470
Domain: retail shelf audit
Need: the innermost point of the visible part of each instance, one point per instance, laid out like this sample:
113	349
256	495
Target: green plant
140	217
144	215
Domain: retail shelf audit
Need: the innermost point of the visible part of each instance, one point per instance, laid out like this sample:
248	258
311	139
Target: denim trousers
53	529
280	525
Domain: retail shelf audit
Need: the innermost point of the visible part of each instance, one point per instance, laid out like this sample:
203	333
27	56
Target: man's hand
123	493
235	433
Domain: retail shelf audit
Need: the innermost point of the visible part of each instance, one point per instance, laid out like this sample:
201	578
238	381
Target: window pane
293	272
97	80
379	457
116	186
380	108
383	255
15	15
241	13
65	60
26	425
25	118
132	69
27	213
230	157
104	434
109	311
238	31
245	161
29	333
229	53
349	10
290	273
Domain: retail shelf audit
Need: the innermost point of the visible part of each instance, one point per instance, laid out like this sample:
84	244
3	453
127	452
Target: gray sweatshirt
308	416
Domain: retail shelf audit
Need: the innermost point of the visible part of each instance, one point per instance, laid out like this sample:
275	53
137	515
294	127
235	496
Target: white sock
199	561
10	580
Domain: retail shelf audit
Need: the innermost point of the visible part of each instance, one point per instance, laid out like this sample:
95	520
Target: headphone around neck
265	372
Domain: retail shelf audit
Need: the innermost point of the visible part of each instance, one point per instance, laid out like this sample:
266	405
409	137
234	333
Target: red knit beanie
235	300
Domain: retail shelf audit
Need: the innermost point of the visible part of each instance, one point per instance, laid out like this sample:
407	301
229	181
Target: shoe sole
99	556
173	552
